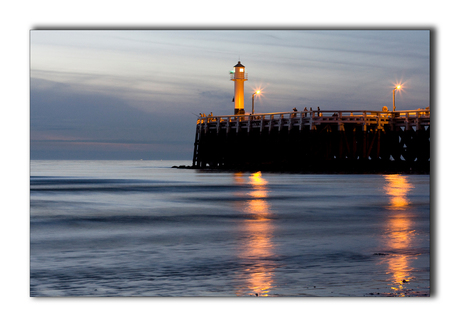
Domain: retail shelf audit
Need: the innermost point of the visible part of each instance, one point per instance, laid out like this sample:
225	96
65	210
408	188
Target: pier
352	141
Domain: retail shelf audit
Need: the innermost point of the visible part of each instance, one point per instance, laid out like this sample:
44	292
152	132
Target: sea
144	229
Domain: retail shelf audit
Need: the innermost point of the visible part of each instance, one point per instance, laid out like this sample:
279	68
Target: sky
135	94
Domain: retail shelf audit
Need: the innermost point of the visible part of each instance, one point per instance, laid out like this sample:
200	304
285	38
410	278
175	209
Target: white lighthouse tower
239	75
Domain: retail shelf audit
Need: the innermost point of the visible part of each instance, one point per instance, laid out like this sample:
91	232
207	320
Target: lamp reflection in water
399	232
255	243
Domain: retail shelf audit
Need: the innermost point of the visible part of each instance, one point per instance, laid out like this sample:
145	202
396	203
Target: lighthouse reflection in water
256	244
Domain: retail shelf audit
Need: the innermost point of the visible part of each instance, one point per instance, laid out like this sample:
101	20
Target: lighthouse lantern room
239	76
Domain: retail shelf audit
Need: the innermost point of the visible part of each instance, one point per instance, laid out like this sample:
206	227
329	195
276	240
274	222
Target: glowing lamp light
256	92
398	87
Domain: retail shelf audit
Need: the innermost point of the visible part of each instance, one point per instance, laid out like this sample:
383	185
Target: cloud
81	118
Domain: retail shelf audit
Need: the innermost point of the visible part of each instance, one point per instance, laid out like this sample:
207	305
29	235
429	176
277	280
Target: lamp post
396	88
256	92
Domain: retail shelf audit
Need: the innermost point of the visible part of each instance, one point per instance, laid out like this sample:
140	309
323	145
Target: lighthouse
239	75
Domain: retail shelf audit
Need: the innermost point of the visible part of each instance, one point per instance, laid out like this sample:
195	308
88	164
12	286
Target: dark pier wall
394	145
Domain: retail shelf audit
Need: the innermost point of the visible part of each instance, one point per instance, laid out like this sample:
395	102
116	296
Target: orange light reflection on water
257	205
397	188
256	245
400	234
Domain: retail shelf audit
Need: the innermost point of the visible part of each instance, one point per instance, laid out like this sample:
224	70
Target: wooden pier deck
309	140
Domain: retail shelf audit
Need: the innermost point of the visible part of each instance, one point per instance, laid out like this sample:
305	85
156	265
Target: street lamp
256	92
396	88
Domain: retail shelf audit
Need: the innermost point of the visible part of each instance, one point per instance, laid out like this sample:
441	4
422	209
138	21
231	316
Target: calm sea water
141	228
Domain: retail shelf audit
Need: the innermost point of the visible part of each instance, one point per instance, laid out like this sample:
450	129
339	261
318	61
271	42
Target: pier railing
408	118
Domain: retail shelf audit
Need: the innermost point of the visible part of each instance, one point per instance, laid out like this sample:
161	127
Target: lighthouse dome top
238	64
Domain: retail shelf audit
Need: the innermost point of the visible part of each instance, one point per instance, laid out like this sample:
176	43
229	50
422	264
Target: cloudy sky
134	94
